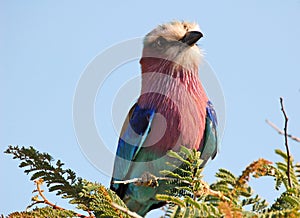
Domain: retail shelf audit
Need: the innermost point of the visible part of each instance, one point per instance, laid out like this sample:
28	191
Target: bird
172	110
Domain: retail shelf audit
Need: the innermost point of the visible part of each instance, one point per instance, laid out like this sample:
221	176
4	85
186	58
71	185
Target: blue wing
210	144
133	135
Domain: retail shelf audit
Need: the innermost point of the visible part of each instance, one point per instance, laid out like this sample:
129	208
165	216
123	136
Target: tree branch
45	200
206	190
38	183
147	179
282	132
286	141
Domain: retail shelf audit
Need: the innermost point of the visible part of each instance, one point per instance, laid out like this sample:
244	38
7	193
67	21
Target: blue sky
253	47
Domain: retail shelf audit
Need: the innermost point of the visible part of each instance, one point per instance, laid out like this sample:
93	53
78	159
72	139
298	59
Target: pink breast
174	124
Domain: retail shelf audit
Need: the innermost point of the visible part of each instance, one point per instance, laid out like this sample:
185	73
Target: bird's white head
176	42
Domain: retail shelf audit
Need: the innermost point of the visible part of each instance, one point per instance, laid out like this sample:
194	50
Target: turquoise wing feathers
133	135
210	144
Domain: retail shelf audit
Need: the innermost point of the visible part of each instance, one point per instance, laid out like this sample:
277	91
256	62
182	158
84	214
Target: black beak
191	37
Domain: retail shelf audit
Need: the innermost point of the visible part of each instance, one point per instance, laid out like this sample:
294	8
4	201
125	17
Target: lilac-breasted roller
171	111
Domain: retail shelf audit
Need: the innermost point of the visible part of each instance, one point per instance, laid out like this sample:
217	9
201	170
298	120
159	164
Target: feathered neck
163	79
165	66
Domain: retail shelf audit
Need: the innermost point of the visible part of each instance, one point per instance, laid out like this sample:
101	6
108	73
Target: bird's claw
147	179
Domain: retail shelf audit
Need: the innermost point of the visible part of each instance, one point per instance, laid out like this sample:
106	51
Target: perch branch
286	141
282	132
149	180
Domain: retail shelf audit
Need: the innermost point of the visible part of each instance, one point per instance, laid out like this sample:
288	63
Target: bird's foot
147	179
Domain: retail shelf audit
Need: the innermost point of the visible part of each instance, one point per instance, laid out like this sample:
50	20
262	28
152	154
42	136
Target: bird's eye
159	42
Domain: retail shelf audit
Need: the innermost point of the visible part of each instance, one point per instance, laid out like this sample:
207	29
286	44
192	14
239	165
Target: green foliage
187	199
92	198
99	200
43	212
40	165
231	196
228	196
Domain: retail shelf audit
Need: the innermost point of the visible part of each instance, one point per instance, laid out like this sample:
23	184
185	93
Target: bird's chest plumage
180	108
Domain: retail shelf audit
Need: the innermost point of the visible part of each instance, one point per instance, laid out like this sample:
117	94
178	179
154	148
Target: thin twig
38	183
45	200
286	141
206	190
137	181
149	180
134	180
125	210
282	132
